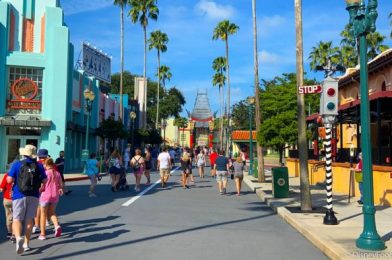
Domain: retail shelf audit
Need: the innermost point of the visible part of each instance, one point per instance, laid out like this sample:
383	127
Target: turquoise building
41	96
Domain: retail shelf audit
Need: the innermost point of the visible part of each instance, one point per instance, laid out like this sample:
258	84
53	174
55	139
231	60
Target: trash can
280	182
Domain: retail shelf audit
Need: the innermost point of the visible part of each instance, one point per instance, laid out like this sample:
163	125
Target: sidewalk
337	242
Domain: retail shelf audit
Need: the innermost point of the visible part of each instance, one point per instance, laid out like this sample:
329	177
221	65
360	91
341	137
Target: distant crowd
33	185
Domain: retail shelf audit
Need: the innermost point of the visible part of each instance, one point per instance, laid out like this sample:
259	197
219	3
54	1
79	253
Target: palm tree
158	41
219	80
122	4
222	31
164	74
260	157
320	54
348	48
375	46
140	11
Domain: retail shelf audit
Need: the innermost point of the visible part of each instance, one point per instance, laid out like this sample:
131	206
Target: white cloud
214	10
71	7
270	23
267	57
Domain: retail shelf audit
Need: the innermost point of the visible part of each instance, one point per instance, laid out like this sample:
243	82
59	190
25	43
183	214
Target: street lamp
89	97
164	125
132	116
251	100
363	21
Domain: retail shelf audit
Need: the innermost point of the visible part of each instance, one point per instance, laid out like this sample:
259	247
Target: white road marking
132	200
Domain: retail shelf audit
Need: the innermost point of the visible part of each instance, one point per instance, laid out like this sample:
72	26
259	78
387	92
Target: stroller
123	184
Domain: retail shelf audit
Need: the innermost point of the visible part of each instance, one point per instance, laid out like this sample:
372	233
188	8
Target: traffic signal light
329	97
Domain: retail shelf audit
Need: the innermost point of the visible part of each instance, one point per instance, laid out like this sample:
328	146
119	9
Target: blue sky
190	24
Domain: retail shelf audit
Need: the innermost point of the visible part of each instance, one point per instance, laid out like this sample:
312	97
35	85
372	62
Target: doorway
13	144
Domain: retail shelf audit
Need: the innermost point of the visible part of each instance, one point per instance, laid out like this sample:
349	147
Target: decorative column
191	136
211	135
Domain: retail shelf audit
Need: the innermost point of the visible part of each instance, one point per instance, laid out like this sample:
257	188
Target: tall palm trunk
121	60
159	65
221	118
306	201
228	98
260	157
145	78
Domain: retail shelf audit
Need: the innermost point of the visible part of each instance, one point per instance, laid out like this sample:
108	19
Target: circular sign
281	181
24	89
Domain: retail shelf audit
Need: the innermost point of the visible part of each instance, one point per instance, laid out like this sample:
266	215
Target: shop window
33	74
383	86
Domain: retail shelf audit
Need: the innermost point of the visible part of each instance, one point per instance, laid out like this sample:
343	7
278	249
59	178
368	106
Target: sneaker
19	245
47	224
35	230
224	191
91	195
58	231
26	248
137	189
360	202
42	237
13	239
9	235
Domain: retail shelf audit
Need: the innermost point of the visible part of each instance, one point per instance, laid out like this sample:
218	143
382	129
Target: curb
324	244
81	178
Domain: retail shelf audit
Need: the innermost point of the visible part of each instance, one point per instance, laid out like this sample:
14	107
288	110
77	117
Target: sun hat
29	150
42	153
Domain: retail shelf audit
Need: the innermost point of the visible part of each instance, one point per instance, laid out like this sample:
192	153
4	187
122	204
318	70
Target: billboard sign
95	63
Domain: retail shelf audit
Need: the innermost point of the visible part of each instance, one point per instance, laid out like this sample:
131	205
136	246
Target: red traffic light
331	92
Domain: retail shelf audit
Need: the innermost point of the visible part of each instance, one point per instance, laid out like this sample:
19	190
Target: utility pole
306	200
260	158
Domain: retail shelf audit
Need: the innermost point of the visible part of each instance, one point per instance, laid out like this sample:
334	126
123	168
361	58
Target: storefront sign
96	63
24	91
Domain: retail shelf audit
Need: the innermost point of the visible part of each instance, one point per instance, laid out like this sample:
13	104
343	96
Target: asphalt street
169	223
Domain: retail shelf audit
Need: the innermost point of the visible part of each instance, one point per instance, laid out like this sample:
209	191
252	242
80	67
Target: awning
24	121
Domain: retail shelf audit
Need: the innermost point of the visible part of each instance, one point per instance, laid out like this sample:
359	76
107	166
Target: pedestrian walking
222	168
154	158
147	163
164	166
60	163
238	173
6	189
49	199
137	164
213	157
186	167
28	177
201	163
172	156
359	177
115	162
92	171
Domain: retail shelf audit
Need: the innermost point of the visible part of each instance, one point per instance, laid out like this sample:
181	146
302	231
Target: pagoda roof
201	112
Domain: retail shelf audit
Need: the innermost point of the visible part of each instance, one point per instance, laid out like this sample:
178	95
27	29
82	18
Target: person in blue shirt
222	169
92	171
25	206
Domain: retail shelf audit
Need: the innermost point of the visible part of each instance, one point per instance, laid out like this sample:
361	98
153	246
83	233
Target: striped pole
329	218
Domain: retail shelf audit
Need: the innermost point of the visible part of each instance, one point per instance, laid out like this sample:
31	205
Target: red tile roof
242	135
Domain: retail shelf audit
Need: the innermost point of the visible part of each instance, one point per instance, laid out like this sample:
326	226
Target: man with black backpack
28	177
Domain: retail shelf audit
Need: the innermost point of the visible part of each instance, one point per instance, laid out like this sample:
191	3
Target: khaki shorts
24	208
164	172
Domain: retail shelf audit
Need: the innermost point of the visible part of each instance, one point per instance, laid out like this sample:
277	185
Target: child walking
92	171
49	199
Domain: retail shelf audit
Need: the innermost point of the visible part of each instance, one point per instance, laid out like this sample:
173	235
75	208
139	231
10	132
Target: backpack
136	165
29	179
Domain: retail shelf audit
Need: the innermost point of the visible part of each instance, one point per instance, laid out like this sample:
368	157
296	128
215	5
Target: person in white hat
28	177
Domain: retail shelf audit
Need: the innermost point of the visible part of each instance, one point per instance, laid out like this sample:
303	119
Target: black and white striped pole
329	218
329	111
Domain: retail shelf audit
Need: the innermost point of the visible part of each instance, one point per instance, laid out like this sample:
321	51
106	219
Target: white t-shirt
164	160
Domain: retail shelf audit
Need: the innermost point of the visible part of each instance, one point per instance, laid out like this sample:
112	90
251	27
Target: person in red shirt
6	188
213	157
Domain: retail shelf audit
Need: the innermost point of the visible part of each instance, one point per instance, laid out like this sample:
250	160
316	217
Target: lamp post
363	21
89	97
164	125
132	116
251	101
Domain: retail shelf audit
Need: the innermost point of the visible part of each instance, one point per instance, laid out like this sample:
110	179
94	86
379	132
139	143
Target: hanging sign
314	89
24	91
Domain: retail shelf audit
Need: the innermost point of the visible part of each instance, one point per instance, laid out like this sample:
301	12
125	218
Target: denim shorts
221	175
24	208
